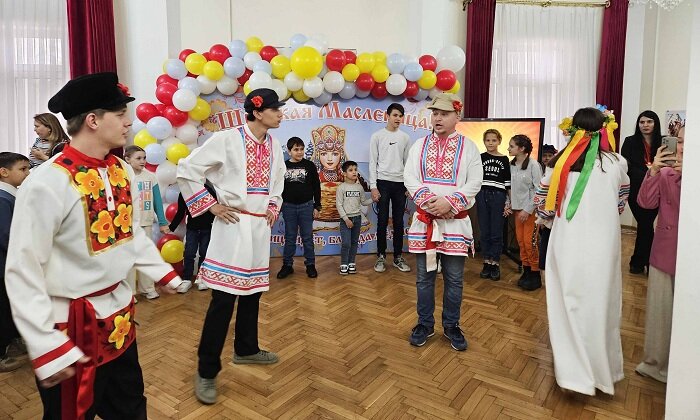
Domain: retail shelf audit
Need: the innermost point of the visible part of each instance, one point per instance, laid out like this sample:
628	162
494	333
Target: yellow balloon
380	73
455	88
176	152
379	57
351	72
173	251
246	88
300	96
365	62
427	80
213	70
201	110
280	66
143	138
194	63
306	62
254	44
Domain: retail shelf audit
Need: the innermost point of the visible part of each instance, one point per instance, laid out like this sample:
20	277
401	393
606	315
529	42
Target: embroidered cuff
54	360
458	201
200	202
422	195
272	207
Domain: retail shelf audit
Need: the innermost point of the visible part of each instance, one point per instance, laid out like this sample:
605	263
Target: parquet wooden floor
344	355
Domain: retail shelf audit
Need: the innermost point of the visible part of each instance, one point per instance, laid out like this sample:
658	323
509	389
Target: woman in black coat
639	150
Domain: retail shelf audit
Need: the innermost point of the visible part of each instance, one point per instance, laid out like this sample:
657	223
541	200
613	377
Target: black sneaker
636	269
457	340
495	272
311	271
486	271
420	334
524	276
533	282
285	271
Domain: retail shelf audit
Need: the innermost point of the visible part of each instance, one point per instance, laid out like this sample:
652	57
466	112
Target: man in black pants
387	157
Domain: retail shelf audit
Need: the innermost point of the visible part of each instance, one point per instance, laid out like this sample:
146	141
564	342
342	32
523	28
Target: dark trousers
8	330
350	238
490	204
544	242
645	233
195	239
118	391
216	325
393	192
298	218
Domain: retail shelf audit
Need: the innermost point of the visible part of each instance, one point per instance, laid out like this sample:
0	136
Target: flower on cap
457	105
124	89
257	101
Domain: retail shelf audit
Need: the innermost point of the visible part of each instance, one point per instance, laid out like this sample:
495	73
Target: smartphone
670	143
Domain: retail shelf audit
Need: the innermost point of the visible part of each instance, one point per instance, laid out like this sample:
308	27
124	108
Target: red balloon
428	62
165	91
379	90
411	89
184	53
160	108
446	79
244	78
146	111
336	60
164	78
364	82
171	211
192	75
268	52
175	116
151	167
179	267
207	55
350	57
219	52
165	238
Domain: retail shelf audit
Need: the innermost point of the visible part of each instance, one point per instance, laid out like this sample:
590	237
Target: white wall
683	389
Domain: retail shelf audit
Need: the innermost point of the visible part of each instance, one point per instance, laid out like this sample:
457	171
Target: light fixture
664	4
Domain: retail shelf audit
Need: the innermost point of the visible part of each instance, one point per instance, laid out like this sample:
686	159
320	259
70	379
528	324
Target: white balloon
333	82
190	83
323	98
396	63
259	80
362	93
234	67
313	87
187	133
297	40
169	142
166	173
251	58
395	84
137	126
324	70
171	193
262	66
348	91
155	154
434	92
293	82
451	57
184	100
279	87
237	48
206	85
421	95
318	42
227	85
175	68
413	71
160	127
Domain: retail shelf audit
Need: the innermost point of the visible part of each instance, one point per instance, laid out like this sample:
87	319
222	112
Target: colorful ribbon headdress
580	140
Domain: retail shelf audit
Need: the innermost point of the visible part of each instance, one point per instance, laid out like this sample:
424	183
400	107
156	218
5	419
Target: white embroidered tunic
248	175
450	168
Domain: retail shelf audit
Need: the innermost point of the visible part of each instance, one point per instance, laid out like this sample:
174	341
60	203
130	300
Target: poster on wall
674	121
332	133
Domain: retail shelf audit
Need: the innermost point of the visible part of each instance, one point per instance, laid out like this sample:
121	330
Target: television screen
474	128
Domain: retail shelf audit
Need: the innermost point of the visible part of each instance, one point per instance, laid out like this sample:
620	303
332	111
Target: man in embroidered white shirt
443	175
71	248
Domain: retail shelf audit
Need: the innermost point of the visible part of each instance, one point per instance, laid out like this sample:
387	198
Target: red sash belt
430	245
253	214
77	392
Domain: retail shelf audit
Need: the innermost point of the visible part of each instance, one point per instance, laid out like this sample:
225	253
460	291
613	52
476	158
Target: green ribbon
583	178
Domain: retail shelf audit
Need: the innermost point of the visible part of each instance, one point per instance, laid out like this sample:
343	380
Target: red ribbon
575	154
428	219
77	392
253	214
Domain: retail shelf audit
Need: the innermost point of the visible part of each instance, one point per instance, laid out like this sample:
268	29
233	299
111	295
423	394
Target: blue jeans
396	193
490	204
298	217
195	239
453	275
350	237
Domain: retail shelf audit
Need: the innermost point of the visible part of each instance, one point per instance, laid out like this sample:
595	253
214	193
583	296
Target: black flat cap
89	92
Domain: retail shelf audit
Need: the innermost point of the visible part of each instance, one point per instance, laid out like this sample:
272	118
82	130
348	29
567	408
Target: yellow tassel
551	200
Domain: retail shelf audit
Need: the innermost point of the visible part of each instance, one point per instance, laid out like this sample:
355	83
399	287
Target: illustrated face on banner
330	160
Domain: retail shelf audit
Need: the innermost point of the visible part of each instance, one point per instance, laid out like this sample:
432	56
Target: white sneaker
439	269
152	295
184	286
379	265
202	286
400	263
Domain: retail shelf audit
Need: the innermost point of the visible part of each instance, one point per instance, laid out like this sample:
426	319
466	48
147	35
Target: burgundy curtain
611	67
481	15
91	37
